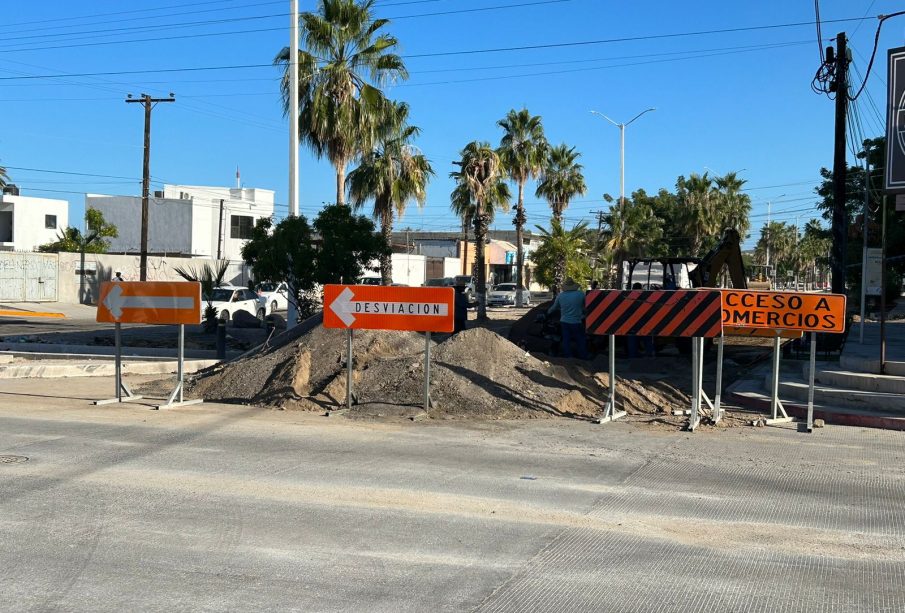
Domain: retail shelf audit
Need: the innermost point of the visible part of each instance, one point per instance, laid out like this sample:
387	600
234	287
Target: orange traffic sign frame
150	302
761	332
374	307
784	310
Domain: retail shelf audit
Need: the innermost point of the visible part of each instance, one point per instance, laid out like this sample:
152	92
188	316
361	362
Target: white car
274	296
504	295
227	300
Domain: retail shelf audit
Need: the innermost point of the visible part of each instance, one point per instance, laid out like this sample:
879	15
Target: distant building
499	252
187	220
27	223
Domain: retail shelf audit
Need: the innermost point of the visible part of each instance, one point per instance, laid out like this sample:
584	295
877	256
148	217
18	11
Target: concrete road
230	508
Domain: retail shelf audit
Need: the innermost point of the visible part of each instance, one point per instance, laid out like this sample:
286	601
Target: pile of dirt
476	374
300	369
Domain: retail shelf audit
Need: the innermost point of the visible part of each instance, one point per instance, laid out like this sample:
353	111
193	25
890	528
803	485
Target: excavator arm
728	253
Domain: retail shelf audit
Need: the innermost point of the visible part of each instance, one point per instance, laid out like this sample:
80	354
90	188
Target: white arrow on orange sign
346	307
116	302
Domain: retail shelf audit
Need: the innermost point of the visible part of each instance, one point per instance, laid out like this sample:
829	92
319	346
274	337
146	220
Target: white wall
409	269
169	223
28	217
452	267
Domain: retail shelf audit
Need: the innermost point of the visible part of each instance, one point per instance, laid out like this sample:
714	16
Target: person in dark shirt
461	309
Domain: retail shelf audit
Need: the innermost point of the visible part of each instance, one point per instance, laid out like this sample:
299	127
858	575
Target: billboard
895	122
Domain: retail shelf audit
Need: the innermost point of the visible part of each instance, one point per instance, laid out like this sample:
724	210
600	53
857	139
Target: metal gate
28	277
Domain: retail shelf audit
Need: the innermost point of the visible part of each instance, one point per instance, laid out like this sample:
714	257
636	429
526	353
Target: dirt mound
476	374
299	369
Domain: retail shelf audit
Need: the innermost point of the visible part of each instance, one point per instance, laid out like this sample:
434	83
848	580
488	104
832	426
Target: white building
187	220
26	222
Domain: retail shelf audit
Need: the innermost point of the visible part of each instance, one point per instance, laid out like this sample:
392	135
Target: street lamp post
622	127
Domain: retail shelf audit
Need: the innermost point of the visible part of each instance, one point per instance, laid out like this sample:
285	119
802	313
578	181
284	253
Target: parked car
227	300
468	282
369	281
504	295
274	296
440	282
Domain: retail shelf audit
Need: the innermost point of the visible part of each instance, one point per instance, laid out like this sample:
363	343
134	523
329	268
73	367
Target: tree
462	205
4	178
391	175
73	241
733	205
481	184
781	239
210	278
523	151
562	253
697	215
641	233
348	245
561	179
345	60
283	252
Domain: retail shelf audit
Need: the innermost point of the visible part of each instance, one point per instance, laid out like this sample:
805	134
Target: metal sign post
180	370
717	410
775	404
349	368
427	372
610	413
695	418
811	382
118	377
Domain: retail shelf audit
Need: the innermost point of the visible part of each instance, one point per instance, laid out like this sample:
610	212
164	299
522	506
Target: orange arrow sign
370	307
150	302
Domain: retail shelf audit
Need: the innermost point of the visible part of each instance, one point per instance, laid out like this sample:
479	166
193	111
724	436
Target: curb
830	417
35	370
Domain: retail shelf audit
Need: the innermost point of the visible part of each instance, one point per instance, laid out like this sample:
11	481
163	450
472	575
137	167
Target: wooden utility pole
148	102
840	167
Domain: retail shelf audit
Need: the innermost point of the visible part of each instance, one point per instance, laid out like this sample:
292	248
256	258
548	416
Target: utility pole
293	67
220	231
840	167
599	215
864	214
769	210
148	102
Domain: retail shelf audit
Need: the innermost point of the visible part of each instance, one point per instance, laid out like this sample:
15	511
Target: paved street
230	508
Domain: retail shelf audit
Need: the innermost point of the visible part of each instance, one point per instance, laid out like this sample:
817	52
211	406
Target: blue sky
724	101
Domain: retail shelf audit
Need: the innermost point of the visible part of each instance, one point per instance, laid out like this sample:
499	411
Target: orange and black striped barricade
695	314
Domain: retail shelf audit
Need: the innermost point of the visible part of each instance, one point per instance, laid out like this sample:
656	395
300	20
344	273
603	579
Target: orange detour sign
373	307
784	310
150	302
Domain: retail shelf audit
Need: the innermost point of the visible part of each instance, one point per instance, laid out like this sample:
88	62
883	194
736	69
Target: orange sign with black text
150	302
376	307
784	310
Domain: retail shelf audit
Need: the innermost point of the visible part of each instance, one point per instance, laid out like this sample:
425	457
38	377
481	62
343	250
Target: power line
873	53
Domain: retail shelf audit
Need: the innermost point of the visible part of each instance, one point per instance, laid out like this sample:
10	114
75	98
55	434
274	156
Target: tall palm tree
480	178
4	178
344	62
461	204
561	179
734	205
697	210
392	175
523	151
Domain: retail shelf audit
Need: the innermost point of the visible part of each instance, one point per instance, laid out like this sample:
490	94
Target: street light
621	127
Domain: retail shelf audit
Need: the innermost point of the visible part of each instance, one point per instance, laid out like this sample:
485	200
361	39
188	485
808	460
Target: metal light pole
621	127
291	311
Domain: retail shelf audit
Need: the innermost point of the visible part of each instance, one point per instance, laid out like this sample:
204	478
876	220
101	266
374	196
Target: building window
240	226
50	222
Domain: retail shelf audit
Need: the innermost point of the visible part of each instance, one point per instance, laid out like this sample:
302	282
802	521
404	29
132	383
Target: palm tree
391	175
4	178
734	205
561	179
210	278
697	210
562	253
523	151
480	182
463	207
345	61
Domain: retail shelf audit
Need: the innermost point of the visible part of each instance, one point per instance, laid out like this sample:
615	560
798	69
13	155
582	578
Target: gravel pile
476	374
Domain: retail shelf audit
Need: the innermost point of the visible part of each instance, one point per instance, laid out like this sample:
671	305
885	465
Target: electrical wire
873	53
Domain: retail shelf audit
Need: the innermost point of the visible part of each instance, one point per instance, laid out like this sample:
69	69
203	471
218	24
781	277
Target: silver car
504	295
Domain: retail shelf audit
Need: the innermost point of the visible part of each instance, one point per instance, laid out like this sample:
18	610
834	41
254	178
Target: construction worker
570	304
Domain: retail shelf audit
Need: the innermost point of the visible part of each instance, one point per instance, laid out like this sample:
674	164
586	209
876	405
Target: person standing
570	304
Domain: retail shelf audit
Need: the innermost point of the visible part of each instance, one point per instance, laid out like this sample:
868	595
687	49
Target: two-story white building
27	223
187	220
